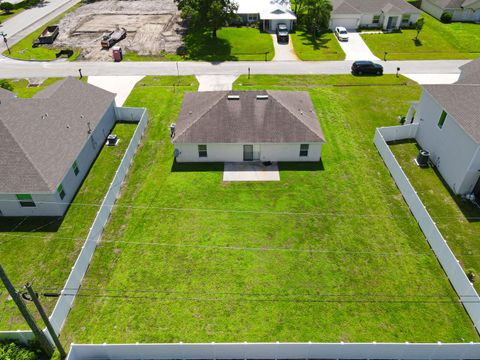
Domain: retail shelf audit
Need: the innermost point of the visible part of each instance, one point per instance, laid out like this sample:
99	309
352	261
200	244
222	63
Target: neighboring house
448	121
383	14
461	10
237	126
49	143
269	12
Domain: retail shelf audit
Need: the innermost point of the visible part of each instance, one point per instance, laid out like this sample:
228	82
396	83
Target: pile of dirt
152	26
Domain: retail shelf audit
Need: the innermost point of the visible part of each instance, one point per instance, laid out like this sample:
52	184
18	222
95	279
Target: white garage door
348	23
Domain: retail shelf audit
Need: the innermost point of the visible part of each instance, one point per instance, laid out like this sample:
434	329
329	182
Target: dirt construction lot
152	27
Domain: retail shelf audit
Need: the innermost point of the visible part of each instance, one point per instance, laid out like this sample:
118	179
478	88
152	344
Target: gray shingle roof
371	6
452	4
470	73
44	135
210	117
5	94
461	102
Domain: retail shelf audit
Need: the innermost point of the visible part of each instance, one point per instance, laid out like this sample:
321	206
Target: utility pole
5	41
46	320
39	335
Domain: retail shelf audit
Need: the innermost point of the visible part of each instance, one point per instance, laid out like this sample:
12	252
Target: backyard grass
329	253
23	50
43	250
436	41
457	219
325	47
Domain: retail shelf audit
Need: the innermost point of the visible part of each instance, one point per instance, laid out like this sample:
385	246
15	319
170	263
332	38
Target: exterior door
247	152
392	22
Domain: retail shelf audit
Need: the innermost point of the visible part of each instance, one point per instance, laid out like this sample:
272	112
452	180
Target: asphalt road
20	69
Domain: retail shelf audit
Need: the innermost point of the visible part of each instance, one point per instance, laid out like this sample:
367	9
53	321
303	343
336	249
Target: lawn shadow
417	42
468	209
30	223
197	167
317	43
301	166
202	46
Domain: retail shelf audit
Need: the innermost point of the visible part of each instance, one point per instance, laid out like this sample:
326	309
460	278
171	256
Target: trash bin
117	53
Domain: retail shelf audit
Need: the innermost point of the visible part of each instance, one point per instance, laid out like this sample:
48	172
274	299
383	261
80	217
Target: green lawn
325	47
436	41
23	50
329	253
43	250
450	212
231	44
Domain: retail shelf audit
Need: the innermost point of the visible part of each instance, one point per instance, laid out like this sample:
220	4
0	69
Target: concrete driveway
215	82
356	49
284	52
120	85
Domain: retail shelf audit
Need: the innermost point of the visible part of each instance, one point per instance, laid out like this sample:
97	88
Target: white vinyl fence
64	303
275	351
75	278
465	290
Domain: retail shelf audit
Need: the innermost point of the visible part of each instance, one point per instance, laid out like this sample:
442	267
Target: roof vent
262	97
233	97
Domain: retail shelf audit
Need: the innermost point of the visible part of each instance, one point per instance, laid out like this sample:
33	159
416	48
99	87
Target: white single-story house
238	126
49	143
448	121
383	14
461	10
269	12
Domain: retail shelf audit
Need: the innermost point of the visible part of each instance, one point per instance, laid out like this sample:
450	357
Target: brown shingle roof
371	6
45	134
461	102
210	117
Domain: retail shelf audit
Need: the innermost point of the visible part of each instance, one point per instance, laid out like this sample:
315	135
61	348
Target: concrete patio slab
250	171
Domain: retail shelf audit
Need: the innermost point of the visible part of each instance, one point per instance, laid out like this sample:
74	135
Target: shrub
4	84
471	275
446	18
13	351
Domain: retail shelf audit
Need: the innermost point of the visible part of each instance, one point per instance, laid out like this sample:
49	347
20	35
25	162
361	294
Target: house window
202	151
252	17
304	150
60	191
26	200
376	19
405	19
75	168
441	121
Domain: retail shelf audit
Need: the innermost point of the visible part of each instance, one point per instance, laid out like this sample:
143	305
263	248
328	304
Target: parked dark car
366	68
282	33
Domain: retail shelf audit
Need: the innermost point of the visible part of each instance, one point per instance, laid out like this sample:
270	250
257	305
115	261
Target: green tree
6	7
317	15
419	26
208	15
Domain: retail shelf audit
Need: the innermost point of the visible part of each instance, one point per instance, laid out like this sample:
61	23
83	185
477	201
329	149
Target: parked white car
341	33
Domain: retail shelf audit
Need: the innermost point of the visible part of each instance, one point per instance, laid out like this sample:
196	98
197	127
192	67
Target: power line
237	211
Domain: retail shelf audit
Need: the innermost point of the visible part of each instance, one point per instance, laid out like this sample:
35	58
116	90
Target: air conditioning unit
112	140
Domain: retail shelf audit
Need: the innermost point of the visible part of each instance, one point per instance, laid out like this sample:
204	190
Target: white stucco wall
50	204
234	152
351	22
452	150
